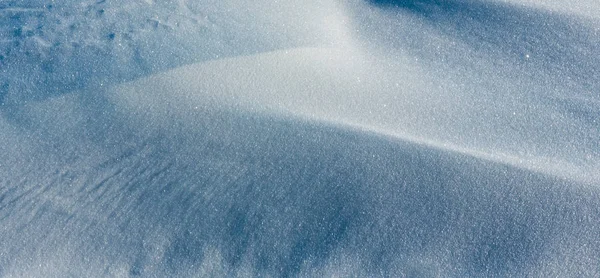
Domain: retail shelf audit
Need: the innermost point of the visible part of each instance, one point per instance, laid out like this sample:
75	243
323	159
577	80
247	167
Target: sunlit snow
360	138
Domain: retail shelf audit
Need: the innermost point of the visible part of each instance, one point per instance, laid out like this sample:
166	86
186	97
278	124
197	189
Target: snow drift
360	138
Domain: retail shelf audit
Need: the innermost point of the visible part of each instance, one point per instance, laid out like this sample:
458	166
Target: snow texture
356	138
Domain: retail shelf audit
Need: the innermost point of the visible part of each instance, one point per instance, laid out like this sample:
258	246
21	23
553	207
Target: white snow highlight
375	138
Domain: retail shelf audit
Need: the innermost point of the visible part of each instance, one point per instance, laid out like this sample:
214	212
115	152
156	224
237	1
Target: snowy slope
186	138
53	48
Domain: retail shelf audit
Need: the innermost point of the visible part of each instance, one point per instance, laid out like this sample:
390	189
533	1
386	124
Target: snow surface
445	138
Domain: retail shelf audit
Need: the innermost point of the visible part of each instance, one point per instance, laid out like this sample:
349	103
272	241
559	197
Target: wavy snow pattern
365	138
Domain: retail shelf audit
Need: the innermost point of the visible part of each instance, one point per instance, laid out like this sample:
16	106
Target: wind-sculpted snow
351	87
50	48
452	138
236	194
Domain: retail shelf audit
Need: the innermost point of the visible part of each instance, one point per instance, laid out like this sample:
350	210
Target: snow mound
105	190
452	138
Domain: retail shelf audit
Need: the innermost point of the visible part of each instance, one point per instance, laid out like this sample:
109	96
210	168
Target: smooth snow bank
450	138
106	188
399	97
513	83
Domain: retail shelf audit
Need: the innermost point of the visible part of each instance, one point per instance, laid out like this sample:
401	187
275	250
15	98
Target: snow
342	138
